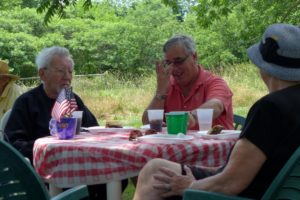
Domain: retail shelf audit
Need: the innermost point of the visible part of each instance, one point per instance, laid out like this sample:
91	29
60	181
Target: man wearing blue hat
270	135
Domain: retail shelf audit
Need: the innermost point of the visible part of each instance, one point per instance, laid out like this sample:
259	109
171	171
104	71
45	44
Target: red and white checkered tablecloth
103	157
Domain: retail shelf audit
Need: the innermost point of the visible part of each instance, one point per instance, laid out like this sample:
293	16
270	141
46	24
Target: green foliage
57	7
8	4
126	37
98	39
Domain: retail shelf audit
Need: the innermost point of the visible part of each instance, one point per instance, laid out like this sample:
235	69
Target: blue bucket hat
278	53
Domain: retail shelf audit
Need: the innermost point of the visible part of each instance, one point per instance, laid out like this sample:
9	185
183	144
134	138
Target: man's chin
65	86
179	80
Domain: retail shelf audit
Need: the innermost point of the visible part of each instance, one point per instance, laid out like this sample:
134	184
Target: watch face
160	96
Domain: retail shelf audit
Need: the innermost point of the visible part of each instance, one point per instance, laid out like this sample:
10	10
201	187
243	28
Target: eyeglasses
176	62
60	71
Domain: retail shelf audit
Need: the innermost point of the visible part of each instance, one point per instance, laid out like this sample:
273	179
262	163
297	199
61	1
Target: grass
115	98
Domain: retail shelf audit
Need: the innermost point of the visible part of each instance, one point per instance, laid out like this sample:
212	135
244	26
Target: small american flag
65	104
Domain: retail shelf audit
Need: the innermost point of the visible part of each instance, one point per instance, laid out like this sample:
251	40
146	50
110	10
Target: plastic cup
155	118
65	129
177	122
204	116
78	116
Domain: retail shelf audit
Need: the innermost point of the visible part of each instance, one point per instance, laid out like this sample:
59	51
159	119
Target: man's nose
68	75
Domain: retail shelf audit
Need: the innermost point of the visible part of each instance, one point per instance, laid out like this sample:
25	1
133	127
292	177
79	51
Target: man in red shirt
183	85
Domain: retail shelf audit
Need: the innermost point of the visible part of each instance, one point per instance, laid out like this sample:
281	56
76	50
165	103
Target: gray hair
183	40
45	57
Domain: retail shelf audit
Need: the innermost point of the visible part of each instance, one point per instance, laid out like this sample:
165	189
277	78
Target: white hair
45	57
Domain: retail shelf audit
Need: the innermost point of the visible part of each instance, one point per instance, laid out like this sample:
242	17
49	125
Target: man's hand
170	183
192	120
162	78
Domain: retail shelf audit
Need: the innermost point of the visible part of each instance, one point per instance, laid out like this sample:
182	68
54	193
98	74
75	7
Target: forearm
216	183
243	165
215	104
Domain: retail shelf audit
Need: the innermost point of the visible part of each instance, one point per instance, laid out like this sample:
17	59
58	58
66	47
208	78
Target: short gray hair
183	40
45	57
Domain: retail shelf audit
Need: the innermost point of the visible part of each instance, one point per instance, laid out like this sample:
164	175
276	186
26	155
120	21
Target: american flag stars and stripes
65	104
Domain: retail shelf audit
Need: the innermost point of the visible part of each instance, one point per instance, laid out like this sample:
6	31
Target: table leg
53	190
114	190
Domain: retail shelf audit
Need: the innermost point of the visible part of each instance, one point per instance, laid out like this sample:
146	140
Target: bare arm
245	161
158	100
215	104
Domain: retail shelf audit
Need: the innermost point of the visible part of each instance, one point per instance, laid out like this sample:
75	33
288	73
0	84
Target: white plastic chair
3	123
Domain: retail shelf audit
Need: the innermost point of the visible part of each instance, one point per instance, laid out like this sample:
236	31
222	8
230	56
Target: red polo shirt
206	87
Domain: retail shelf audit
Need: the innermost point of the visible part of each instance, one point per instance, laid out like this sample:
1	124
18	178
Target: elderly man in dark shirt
31	113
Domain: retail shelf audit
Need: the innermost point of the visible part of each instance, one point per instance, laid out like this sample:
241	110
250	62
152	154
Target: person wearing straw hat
270	135
9	90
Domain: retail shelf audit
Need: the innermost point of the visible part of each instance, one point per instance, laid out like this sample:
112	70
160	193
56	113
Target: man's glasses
60	71
176	62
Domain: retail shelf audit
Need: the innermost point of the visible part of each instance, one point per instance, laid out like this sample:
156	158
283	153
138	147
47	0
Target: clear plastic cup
155	118
205	116
78	116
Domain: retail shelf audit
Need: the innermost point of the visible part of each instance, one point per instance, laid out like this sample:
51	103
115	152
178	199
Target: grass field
113	98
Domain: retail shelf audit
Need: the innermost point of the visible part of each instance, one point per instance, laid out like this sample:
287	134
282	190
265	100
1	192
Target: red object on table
94	158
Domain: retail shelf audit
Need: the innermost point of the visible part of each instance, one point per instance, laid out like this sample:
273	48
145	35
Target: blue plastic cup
65	129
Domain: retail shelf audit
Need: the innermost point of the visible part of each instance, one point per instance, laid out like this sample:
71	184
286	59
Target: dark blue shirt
30	116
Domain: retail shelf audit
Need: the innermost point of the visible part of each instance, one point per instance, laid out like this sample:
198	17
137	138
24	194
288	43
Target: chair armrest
75	193
191	194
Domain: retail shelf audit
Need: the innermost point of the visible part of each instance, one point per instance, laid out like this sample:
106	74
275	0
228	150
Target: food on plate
113	125
215	130
134	134
150	132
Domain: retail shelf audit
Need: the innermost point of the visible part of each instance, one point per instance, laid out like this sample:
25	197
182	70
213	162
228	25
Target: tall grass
116	98
113	98
245	82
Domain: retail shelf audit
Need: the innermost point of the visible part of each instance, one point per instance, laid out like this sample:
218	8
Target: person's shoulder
78	99
30	94
17	88
209	78
209	75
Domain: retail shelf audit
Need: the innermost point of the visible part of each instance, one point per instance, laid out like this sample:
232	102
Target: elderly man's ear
42	73
195	57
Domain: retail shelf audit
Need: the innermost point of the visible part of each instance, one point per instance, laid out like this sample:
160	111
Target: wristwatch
192	112
160	96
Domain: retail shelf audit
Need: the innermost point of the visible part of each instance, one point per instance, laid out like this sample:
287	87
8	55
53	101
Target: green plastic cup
177	122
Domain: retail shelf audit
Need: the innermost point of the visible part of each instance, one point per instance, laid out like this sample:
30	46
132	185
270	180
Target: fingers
161	69
191	120
188	171
167	171
165	176
162	178
162	187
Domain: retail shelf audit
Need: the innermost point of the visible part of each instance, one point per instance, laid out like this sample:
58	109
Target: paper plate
96	129
165	138
225	134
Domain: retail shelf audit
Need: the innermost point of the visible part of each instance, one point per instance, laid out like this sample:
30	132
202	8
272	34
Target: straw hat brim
11	76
